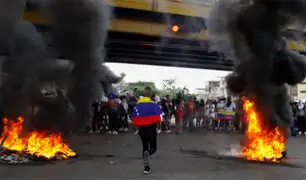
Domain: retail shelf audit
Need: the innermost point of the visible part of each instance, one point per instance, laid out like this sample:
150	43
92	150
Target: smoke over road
22	67
10	12
264	64
79	29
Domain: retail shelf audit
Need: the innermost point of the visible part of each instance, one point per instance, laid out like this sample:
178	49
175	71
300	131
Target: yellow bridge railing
149	28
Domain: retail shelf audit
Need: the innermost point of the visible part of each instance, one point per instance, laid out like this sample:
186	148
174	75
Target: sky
191	78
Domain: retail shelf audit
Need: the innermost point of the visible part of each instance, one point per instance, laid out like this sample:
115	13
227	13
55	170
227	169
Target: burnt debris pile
16	157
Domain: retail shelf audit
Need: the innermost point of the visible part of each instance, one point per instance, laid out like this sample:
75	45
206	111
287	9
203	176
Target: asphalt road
119	157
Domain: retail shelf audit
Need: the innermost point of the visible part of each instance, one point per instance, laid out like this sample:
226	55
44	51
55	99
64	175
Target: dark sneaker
147	170
146	155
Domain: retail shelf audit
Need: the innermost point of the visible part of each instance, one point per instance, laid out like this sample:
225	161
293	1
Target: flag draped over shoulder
146	112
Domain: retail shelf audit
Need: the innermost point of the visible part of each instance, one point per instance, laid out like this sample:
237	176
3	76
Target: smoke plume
10	12
108	79
22	65
34	86
79	28
263	63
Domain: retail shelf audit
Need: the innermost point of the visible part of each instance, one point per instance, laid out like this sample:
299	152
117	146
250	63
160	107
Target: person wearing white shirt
230	109
230	106
220	105
210	112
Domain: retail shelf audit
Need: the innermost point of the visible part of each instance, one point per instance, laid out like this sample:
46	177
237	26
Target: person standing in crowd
112	106
201	120
196	103
300	115
96	106
157	100
179	115
207	111
166	111
124	114
132	103
189	113
293	123
173	107
103	111
240	115
220	114
145	116
212	113
230	110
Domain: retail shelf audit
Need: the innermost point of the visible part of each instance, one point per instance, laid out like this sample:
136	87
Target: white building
216	88
298	92
223	88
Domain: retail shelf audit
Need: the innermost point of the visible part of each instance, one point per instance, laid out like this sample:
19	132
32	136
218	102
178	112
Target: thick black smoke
48	95
10	12
109	79
264	64
79	28
21	68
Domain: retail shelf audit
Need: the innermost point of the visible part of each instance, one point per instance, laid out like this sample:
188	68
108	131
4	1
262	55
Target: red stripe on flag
145	120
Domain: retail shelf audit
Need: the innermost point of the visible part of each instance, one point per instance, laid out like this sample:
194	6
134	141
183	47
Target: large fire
33	143
262	144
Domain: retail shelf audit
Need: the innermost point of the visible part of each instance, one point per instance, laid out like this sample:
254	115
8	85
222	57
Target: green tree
140	85
171	88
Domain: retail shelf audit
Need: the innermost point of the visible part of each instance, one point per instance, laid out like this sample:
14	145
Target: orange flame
262	144
34	143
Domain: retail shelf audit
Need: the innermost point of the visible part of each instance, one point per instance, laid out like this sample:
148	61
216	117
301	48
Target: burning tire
20	147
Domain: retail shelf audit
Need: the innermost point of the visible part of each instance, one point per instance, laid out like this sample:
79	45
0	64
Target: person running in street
145	116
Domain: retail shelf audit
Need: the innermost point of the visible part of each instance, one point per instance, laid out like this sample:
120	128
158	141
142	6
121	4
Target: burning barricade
261	144
17	147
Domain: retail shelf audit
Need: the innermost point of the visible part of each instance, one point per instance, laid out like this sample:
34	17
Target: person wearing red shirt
189	113
179	115
112	106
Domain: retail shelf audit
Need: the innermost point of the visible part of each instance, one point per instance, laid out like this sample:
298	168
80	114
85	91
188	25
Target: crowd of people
299	114
112	114
151	114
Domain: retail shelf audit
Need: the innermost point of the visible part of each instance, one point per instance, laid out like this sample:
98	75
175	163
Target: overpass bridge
160	32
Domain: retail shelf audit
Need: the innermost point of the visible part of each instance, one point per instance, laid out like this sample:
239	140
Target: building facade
216	88
299	91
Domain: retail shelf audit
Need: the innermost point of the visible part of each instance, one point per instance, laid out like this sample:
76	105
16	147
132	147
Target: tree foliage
140	85
170	87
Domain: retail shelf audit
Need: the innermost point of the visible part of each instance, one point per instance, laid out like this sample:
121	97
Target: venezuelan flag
227	115
146	112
